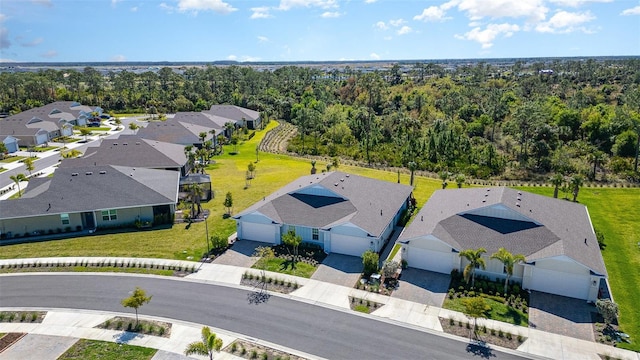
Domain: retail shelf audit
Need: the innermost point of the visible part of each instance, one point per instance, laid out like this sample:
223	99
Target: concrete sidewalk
539	344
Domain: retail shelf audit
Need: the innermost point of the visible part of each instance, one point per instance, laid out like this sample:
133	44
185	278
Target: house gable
317	190
499	211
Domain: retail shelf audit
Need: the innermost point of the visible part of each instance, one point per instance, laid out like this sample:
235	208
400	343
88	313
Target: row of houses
40	125
133	179
349	214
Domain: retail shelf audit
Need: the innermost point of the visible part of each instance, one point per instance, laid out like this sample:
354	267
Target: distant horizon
266	62
313	31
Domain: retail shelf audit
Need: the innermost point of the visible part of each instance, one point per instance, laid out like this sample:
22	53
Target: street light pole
206	226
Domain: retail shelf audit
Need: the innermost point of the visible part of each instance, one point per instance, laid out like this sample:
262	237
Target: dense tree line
483	120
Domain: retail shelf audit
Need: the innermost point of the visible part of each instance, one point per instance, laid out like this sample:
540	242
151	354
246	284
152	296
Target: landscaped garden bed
268	283
105	350
304	265
22	316
363	305
483	334
510	308
250	350
148	327
6	340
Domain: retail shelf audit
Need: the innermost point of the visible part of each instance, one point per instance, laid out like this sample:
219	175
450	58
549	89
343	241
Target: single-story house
555	236
177	132
91	198
342	213
10	143
239	115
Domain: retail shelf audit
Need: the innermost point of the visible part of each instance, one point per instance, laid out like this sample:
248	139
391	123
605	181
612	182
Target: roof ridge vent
347	175
89	173
102	172
74	174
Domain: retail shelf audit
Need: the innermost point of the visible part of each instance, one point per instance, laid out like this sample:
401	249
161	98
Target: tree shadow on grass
288	264
126	336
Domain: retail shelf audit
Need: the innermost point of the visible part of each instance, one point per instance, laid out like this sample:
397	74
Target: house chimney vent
102	172
74	174
89	173
518	204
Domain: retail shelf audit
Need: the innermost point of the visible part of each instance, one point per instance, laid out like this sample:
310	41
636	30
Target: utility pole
206	226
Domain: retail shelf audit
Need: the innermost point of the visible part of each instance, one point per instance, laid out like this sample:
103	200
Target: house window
315	234
64	218
109	215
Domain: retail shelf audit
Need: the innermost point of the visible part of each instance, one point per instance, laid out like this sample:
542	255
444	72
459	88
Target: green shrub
500	333
264	356
243	351
107	324
253	355
23	317
234	347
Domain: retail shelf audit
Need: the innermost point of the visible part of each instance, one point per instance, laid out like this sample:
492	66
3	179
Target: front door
88	220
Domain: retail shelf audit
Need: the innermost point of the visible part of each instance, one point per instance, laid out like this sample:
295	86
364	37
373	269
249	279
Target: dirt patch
490	336
148	327
249	350
9	339
22	316
270	284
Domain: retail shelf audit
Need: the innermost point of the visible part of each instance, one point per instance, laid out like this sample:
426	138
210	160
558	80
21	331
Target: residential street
313	329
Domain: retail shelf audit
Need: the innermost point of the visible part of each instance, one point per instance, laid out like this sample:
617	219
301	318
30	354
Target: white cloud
46	3
118	58
168	8
260	13
404	30
263	39
49	54
432	13
4	38
533	10
218	6
134	9
485	37
576	3
32	43
632	11
115	2
247	58
330	14
369	1
324	4
381	25
396	22
232	57
6	60
564	22
374	56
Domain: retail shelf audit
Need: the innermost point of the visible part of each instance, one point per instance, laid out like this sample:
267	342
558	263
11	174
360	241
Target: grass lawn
2	169
92	349
616	213
394	251
92	269
285	267
38	148
11	159
499	311
100	129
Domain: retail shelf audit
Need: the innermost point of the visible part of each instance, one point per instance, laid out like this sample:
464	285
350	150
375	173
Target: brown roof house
342	213
555	236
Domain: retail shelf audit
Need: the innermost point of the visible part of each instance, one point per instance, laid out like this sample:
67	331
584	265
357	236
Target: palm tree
210	343
556	181
508	260
475	261
412	168
460	180
576	183
195	194
17	179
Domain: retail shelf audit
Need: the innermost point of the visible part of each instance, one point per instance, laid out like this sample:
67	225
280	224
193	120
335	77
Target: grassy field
499	311
286	267
616	213
92	349
11	159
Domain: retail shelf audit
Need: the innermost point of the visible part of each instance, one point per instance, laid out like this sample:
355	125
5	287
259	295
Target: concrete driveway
339	269
421	286
240	254
561	315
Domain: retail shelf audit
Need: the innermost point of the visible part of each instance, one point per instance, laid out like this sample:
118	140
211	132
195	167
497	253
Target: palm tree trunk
506	284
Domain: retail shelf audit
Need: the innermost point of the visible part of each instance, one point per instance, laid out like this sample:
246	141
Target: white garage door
560	283
349	245
259	232
42	138
429	260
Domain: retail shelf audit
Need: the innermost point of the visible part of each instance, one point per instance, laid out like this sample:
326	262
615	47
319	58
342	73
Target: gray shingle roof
129	150
65	110
106	187
233	112
171	131
540	226
368	203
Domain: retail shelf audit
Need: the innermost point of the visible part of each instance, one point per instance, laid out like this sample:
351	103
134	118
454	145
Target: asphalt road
313	329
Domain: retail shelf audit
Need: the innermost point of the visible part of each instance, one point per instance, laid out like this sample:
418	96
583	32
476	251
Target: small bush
468	326
493	332
234	347
161	331
451	322
509	336
253	355
11	317
500	333
107	324
243	351
23	317
264	356
119	325
2	316
520	338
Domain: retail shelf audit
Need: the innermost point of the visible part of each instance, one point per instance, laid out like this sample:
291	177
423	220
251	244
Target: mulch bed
9	339
22	316
275	285
148	327
460	329
249	350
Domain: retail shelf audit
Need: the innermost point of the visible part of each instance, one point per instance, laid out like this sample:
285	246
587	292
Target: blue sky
317	30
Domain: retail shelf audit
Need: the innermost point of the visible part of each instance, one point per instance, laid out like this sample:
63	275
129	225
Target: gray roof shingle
94	188
536	226
367	203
